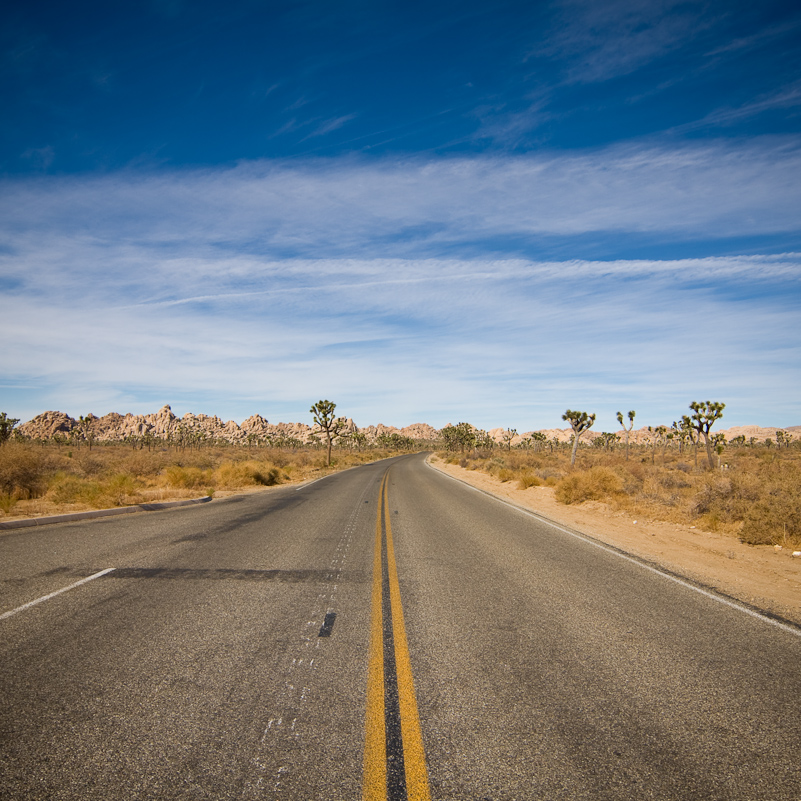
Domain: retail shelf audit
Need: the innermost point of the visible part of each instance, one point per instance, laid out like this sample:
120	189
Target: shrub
120	490
268	477
595	484
247	474
65	488
24	470
773	522
8	500
529	480
143	463
771	511
188	477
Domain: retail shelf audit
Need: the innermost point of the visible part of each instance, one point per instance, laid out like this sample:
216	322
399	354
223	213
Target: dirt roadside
760	576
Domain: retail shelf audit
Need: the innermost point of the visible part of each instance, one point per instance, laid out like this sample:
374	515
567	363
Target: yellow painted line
374	780
413	754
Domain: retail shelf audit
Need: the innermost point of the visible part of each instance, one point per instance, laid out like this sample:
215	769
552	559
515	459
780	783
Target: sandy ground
760	576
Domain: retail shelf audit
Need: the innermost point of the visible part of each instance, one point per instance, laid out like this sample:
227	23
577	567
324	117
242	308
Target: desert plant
187	477
687	430
703	418
8	500
632	414
579	422
25	469
595	484
536	438
86	427
247	474
7	425
460	437
65	488
323	414
529	480
606	440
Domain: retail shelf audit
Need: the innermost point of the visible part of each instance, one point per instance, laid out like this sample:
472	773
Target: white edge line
634	560
303	486
53	594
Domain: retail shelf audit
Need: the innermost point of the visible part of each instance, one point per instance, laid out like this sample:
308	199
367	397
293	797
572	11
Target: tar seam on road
53	594
739	606
394	758
328	624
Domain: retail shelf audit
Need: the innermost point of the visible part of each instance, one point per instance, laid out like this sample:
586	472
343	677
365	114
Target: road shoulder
757	575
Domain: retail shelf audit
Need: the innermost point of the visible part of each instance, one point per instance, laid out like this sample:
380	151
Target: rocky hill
195	428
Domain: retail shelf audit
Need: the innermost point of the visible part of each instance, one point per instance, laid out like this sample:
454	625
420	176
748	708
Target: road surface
383	633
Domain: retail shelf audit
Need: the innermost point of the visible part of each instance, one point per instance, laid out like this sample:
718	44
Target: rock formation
197	428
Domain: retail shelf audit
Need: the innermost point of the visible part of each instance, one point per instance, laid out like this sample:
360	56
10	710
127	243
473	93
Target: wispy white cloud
759	38
785	98
600	41
418	206
396	341
333	124
262	287
511	128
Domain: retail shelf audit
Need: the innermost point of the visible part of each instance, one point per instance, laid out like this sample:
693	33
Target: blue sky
424	212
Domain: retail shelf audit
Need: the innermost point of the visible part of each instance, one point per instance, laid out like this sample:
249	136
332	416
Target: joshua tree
689	431
658	437
86	425
627	430
6	427
702	419
484	441
680	434
537	438
509	435
323	412
579	422
719	443
461	436
606	440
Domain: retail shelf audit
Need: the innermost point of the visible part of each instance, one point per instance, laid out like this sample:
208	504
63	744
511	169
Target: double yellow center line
394	760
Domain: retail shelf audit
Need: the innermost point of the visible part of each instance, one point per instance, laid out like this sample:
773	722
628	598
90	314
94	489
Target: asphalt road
385	632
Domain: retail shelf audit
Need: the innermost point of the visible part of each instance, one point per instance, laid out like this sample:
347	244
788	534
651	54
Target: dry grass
756	496
50	479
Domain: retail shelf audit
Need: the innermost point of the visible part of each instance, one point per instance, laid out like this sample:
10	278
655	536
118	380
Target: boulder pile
194	429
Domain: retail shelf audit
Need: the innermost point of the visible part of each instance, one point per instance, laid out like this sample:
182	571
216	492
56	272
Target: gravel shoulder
760	576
